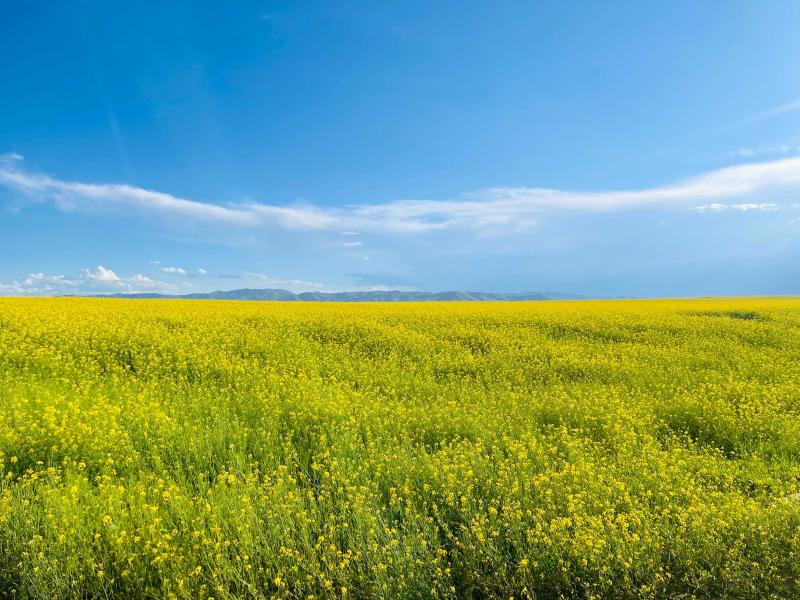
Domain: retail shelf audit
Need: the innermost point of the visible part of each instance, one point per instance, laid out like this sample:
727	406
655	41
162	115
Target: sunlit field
555	449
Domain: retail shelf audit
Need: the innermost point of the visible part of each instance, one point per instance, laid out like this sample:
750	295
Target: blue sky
598	148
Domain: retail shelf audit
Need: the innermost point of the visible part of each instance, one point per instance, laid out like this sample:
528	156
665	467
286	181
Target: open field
577	449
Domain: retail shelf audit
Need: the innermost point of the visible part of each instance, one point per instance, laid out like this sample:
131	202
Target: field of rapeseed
529	450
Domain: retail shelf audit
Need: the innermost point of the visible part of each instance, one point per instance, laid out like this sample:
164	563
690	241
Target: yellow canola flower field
194	449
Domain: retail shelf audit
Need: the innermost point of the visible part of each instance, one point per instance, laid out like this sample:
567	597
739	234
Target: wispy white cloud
499	209
293	285
144	282
752	152
40	281
351	244
743	207
107	197
183	272
98	280
174	270
790	106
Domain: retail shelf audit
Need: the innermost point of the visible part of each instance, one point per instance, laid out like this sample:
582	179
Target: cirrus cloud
743	207
492	209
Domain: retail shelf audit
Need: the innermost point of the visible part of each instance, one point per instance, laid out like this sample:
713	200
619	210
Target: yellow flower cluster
191	449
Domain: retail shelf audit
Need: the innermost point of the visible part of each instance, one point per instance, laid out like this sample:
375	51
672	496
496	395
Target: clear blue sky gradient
338	111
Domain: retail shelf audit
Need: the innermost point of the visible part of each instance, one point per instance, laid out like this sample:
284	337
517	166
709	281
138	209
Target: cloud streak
748	152
743	207
492	209
772	112
294	285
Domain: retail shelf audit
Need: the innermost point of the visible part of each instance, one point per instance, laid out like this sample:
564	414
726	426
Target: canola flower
191	449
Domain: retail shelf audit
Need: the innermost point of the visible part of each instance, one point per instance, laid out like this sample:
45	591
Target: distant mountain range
373	296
